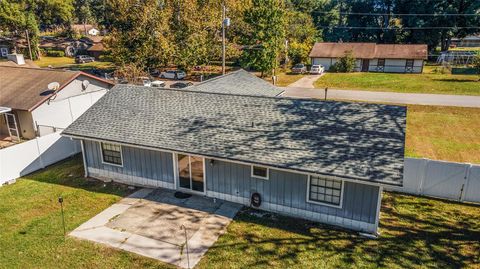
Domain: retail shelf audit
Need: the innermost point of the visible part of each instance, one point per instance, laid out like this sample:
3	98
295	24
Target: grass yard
443	133
31	234
428	82
285	79
68	62
415	233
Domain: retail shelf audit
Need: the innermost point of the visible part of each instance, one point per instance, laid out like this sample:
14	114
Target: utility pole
29	47
223	37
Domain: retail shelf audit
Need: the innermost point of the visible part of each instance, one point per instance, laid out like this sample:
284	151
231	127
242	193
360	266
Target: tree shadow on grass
407	240
453	80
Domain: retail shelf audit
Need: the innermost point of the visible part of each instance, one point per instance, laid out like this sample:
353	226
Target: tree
301	34
345	64
357	20
139	33
14	18
265	36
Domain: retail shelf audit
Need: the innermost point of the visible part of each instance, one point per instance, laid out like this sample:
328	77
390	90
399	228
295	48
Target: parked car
80	59
317	69
154	73
173	74
179	85
299	69
155	83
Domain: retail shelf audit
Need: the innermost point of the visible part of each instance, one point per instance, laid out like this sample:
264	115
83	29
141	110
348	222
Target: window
259	172
112	154
409	63
381	63
325	191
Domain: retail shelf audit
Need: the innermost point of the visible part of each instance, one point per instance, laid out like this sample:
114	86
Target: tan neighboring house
96	48
371	57
29	108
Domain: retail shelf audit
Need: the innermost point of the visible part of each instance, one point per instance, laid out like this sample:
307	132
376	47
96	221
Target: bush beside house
345	64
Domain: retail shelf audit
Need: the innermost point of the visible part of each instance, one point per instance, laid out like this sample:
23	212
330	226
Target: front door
191	172
365	65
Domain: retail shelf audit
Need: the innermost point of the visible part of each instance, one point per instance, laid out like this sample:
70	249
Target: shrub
55	53
346	63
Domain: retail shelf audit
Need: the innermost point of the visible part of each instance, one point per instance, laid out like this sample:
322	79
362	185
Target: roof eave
75	76
370	181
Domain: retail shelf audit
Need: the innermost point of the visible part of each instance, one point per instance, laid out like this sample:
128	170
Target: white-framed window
325	191
260	172
111	154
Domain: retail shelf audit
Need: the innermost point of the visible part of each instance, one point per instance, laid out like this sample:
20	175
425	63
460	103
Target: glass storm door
190	172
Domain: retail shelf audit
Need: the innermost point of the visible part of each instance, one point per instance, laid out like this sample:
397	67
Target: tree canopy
262	34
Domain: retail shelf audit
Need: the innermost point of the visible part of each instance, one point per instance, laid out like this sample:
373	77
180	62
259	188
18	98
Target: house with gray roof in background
325	161
238	82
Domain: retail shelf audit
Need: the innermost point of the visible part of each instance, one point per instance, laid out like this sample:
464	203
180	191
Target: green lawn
443	133
68	62
413	83
284	79
31	234
415	232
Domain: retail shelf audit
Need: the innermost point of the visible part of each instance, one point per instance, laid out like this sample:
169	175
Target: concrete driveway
306	81
149	223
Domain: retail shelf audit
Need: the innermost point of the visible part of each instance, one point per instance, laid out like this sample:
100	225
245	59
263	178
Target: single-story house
238	82
326	161
468	41
371	57
85	29
96	50
31	108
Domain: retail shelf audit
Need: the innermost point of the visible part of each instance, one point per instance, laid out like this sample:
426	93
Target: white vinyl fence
448	180
35	154
51	118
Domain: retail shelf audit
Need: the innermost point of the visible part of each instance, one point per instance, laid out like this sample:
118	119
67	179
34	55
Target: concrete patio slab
149	223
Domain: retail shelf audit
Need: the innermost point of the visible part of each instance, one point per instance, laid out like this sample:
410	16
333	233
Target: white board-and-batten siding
284	192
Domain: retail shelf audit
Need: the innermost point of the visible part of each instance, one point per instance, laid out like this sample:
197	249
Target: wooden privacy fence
448	180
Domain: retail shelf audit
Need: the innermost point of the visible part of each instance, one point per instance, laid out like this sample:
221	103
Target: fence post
466	181
424	175
39	153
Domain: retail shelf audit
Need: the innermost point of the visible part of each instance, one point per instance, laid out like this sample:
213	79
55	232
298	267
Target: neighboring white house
86	29
35	105
371	57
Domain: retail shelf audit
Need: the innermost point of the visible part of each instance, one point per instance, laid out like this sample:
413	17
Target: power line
401	14
398	28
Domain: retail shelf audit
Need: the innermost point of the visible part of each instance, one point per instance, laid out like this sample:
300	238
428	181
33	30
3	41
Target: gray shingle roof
353	140
239	82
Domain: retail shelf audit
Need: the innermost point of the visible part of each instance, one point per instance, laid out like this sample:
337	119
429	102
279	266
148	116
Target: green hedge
55	53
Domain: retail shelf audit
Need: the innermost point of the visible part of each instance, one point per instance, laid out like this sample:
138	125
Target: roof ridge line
258	96
218	77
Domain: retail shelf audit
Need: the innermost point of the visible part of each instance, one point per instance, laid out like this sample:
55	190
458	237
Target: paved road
388	97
